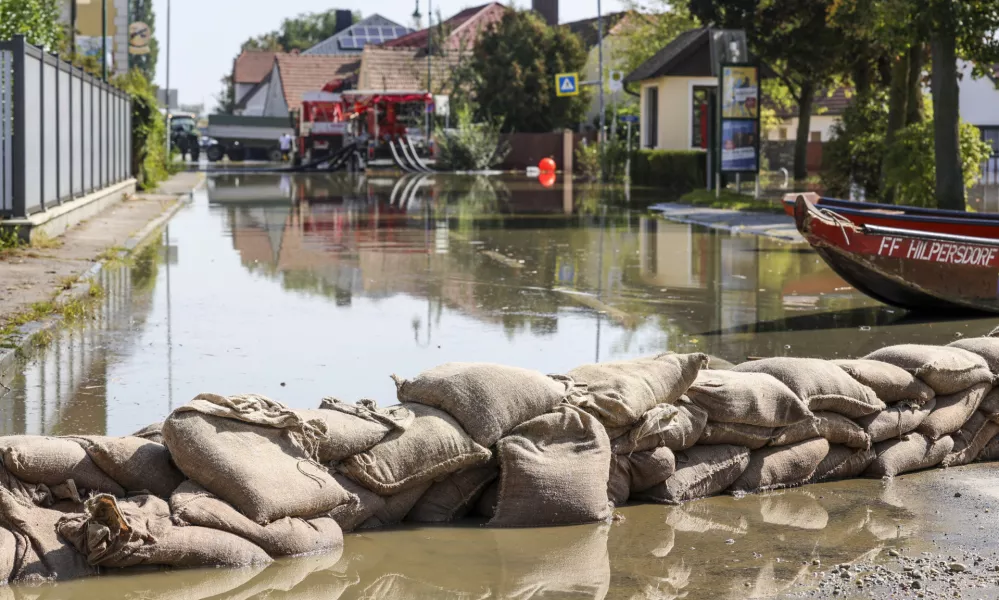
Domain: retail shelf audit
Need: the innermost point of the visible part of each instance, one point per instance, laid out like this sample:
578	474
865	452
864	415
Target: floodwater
305	287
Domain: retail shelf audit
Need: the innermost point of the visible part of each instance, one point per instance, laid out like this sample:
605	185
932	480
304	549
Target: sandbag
486	505
52	461
619	480
701	471
737	434
986	347
896	420
619	393
971	440
991	451
139	531
455	496
396	507
137	464
820	385
953	411
255	454
432	447
843	462
564	562
363	505
153	433
834	427
781	466
890	383
40	554
8	555
650	468
665	426
990	404
350	429
947	370
191	504
747	398
554	471
913	452
487	400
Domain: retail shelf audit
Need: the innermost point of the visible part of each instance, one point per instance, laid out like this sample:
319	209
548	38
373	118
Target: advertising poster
738	146
740	92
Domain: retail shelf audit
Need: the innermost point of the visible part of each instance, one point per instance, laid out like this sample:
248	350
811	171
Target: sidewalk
778	226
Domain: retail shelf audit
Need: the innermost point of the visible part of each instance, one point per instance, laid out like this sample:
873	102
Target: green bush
471	146
587	161
149	161
855	152
674	170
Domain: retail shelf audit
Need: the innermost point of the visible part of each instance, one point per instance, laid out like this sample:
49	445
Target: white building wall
979	99
822	124
275	105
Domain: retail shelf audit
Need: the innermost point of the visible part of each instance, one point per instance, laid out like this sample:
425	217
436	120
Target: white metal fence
63	133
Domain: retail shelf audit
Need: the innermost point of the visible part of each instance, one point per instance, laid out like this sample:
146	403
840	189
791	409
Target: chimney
344	19
548	9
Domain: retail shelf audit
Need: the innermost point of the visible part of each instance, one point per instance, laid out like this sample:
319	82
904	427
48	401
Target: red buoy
547	179
547	165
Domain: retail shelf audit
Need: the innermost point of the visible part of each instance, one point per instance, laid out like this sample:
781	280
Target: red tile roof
301	73
464	28
252	66
404	69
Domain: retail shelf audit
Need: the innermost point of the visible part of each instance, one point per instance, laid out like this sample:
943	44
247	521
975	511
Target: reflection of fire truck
331	119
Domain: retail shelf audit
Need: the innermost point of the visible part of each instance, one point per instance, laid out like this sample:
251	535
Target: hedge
675	170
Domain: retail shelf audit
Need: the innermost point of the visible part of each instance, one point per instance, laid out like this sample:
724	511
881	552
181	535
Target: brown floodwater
305	287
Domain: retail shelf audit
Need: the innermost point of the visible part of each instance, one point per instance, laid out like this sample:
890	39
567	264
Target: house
385	68
616	27
373	30
979	102
462	30
248	70
827	110
290	76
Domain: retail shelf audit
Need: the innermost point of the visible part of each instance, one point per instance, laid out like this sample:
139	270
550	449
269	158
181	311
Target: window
700	99
651	117
782	133
815	136
991	136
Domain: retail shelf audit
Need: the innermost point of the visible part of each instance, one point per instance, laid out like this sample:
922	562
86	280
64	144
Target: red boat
954	222
913	269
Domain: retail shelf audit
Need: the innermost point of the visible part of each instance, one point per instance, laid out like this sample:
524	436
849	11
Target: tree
651	27
298	33
37	20
515	63
142	10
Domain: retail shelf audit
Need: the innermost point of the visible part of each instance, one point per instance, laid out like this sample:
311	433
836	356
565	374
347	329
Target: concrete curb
677	214
25	336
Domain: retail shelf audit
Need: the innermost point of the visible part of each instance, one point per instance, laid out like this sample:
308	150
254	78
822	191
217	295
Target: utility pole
167	94
600	79
72	21
430	38
104	39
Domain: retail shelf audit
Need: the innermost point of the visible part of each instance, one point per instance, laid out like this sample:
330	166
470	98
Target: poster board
739	118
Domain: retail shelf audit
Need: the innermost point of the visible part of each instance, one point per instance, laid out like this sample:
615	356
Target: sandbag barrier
243	480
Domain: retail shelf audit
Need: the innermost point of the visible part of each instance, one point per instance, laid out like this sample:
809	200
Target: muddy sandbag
562	562
991	451
736	434
363	505
619	393
8	555
896	420
947	370
676	427
137	464
747	398
990	404
913	452
487	400
139	531
822	386
431	448
619	480
455	496
779	467
554	471
52	461
650	468
191	504
986	347
890	383
396	507
701	471
953	411
834	427
843	462
40	554
971	440
486	505
353	428
255	454
153	433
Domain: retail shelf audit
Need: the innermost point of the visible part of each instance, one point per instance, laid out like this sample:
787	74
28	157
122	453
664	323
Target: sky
206	35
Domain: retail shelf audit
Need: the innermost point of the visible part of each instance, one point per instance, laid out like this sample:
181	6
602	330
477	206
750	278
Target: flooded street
299	288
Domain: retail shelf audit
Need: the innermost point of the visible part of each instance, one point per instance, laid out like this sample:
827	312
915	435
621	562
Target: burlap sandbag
353	428
40	555
971	439
701	471
896	420
834	427
821	385
913	452
781	466
890	383
191	504
945	369
36	494
986	347
432	447
747	398
455	496
487	400
486	505
843	462
137	464
255	454
8	555
737	434
363	505
650	468
564	562
53	461
619	481
139	531
619	393
153	433
553	471
990	404
991	451
396	507
665	426
953	411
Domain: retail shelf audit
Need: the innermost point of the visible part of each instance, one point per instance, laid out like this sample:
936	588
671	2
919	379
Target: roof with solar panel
373	30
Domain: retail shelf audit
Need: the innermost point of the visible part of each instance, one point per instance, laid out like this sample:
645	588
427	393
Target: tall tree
515	64
651	26
37	20
142	11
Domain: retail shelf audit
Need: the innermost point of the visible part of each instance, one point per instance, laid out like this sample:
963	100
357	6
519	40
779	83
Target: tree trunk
914	106
897	108
946	143
805	101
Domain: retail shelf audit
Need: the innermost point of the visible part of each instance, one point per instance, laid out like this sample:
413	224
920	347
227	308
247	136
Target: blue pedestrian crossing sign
567	84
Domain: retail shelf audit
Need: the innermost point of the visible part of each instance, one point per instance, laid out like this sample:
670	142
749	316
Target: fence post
20	164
